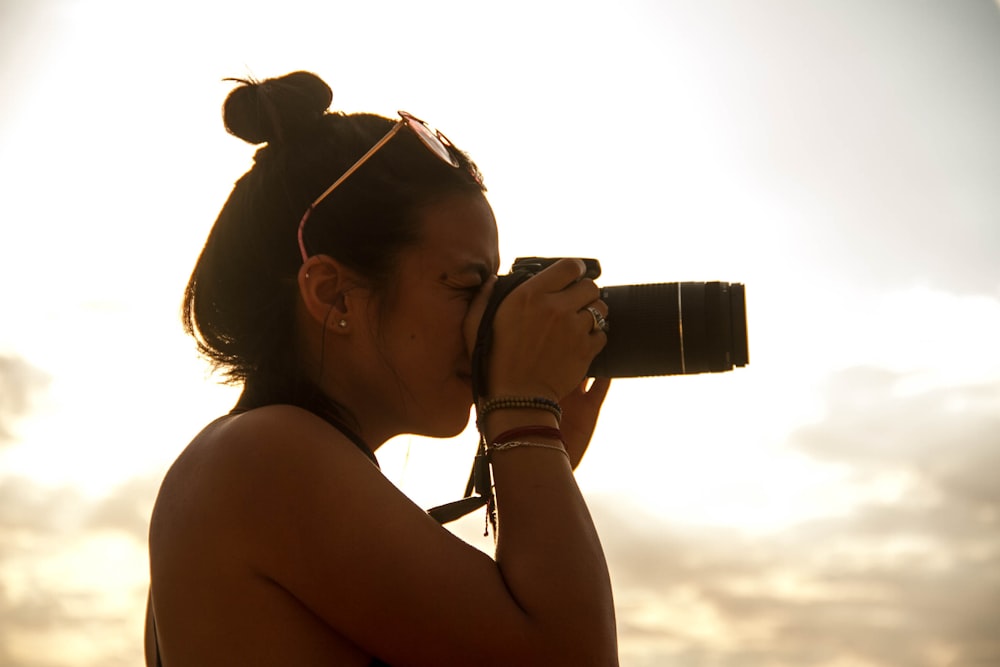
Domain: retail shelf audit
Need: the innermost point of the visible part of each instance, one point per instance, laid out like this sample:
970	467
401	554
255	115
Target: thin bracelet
513	402
549	432
496	447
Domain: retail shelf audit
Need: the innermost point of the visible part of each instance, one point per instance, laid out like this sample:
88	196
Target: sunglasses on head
431	138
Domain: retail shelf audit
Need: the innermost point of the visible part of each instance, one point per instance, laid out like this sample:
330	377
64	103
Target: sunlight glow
831	504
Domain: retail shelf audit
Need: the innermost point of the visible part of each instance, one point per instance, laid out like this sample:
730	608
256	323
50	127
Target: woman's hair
239	304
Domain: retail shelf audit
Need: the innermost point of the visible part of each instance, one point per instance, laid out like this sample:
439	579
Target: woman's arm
286	498
320	521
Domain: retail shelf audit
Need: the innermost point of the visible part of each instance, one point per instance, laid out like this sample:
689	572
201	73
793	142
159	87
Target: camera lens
673	329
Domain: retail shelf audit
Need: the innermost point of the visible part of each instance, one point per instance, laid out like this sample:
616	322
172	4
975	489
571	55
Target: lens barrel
673	329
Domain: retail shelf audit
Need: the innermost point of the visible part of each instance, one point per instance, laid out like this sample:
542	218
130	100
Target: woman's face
422	364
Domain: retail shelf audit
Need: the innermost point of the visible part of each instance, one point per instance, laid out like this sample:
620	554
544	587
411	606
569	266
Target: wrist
516	402
501	387
497	422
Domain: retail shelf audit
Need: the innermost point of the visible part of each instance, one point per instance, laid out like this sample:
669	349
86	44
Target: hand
580	410
543	334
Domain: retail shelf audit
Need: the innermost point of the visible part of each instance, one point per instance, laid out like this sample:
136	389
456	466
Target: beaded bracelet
549	432
532	402
500	446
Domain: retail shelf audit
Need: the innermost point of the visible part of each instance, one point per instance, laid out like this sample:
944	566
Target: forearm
548	550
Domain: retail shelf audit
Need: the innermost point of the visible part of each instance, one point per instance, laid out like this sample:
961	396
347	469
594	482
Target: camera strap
480	478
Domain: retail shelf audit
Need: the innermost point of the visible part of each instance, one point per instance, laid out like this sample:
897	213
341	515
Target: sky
833	504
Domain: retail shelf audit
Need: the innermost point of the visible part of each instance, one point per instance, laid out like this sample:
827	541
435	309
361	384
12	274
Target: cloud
872	148
946	439
33	517
824	593
127	508
907	574
19	383
73	572
32	524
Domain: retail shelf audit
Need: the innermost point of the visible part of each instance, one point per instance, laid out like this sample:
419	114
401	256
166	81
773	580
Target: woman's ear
324	284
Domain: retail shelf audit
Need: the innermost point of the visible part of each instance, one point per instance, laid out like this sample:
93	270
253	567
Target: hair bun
275	110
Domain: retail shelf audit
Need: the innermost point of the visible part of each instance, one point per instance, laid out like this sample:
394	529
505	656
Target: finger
583	293
597	305
598	390
595	318
559	275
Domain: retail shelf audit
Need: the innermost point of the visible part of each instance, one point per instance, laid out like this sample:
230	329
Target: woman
343	284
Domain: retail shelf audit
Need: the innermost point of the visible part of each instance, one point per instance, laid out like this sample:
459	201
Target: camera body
666	328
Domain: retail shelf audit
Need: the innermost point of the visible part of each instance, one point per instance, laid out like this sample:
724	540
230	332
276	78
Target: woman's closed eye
469	292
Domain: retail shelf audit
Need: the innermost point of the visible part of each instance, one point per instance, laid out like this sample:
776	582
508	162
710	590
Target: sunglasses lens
432	140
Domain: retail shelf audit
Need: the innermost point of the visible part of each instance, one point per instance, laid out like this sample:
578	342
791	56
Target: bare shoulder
249	495
242	464
261	430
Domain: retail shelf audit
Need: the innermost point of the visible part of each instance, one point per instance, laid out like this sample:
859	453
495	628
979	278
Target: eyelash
470	292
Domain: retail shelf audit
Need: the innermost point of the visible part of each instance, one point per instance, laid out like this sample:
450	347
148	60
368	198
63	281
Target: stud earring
342	324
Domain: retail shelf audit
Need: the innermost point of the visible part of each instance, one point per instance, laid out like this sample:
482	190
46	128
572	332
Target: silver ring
600	323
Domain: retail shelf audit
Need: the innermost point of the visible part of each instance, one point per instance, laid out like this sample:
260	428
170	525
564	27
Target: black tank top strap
307	397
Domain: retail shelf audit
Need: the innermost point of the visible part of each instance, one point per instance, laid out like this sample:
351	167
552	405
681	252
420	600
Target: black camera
654	329
665	328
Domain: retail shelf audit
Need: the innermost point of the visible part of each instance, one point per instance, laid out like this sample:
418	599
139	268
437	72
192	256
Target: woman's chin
450	426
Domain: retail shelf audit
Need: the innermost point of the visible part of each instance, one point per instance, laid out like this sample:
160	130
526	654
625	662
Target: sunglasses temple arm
356	165
326	193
